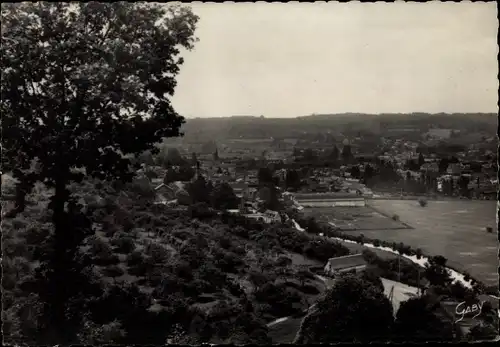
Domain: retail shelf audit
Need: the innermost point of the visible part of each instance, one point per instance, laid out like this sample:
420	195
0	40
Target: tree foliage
416	322
223	197
436	271
292	179
352	311
86	86
69	74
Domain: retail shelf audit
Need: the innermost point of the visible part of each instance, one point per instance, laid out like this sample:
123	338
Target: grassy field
354	218
454	229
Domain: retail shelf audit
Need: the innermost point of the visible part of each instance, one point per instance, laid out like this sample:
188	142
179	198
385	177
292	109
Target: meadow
354	218
453	229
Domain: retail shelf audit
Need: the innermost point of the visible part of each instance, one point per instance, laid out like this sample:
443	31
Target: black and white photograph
187	173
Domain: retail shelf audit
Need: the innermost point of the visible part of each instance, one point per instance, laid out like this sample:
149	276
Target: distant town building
330	199
437	133
454	169
430	167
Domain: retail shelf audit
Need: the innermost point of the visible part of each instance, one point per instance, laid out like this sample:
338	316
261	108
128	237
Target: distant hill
203	129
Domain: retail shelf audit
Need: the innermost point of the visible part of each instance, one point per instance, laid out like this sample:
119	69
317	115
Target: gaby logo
462	309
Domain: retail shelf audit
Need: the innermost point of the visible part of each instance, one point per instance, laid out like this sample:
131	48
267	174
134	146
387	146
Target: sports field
353	218
454	229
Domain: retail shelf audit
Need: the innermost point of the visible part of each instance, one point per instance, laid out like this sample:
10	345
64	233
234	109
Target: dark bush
9	281
15	249
201	211
183	270
18	223
309	289
158	253
370	256
134	258
123	245
240	250
323	250
112	271
376	243
282	302
225	243
36	236
235	289
105	259
228	261
422	202
101	252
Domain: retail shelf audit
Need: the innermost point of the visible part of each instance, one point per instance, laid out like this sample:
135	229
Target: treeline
263	127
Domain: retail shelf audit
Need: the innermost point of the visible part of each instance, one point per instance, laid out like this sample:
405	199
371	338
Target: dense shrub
212	274
240	231
395	217
94	334
283	302
18	223
102	254
123	219
191	254
142	188
240	250
422	202
112	271
37	235
15	249
135	258
225	243
309	289
227	261
324	250
158	253
201	211
123	244
235	289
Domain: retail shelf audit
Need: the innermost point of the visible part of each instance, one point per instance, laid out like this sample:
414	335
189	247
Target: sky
291	59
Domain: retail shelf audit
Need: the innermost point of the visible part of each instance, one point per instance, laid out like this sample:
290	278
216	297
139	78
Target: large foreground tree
354	310
85	86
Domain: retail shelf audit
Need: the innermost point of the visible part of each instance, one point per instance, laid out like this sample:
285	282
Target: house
344	264
171	191
454	169
239	187
430	167
267	217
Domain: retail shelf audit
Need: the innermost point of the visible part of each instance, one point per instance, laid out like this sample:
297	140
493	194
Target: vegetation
416	322
69	72
168	268
356	311
422	202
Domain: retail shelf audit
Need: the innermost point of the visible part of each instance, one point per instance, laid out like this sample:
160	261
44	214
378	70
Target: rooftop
329	195
345	262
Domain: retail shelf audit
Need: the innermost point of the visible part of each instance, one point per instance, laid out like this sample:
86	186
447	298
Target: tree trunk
20	198
61	261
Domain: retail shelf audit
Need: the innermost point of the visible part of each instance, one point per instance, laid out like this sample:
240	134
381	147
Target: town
133	215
